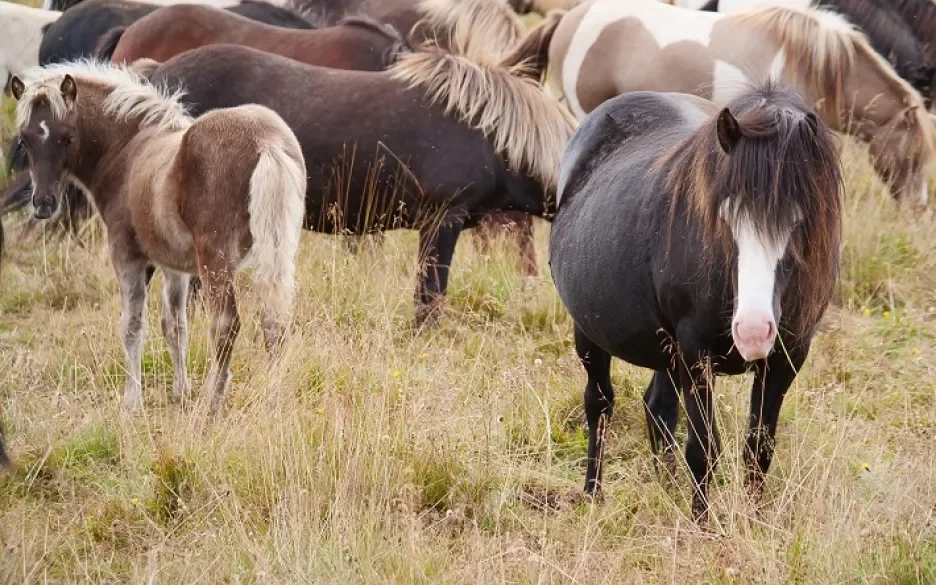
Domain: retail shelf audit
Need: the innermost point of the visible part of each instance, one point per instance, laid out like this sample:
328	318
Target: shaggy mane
483	30
522	122
823	46
130	96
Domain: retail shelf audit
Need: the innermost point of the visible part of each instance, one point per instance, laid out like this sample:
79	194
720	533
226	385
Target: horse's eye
67	141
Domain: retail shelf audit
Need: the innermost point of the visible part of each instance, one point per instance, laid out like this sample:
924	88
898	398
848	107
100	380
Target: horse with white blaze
695	241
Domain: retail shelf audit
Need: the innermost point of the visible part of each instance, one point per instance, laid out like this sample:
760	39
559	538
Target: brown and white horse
605	48
205	197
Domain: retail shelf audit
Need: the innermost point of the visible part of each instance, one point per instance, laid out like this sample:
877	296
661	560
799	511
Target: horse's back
607	238
630	127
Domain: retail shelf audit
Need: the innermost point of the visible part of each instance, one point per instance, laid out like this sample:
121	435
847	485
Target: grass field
375	454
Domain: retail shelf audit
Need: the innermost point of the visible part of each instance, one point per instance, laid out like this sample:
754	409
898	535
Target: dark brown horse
360	44
694	241
205	197
435	144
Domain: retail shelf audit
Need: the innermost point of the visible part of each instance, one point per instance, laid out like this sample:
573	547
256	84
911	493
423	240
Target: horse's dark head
766	185
46	122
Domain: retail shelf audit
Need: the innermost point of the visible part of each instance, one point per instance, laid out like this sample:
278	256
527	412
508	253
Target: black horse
422	146
688	241
901	31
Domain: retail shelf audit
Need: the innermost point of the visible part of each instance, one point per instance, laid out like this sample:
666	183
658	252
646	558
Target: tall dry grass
378	454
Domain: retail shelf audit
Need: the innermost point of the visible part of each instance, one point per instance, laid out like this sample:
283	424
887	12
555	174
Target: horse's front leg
436	248
131	274
703	444
773	378
175	329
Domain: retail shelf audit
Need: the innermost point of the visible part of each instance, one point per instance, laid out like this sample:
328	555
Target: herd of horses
688	168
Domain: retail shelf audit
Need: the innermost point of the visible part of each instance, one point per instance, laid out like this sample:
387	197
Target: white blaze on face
45	131
754	325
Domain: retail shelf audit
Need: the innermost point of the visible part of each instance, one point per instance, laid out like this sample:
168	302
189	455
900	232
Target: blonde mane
482	30
823	46
128	95
528	127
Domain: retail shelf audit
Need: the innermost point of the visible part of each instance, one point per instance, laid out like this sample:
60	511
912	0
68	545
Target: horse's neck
117	152
873	98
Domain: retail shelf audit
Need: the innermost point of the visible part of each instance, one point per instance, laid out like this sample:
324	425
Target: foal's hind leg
175	329
217	276
599	404
661	401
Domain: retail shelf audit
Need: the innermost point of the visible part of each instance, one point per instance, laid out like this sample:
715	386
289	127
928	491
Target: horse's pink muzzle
754	335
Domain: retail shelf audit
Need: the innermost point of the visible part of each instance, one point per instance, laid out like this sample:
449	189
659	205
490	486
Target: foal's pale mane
481	29
129	96
527	126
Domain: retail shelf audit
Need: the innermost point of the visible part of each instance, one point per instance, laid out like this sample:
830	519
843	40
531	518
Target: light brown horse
605	48
206	197
358	44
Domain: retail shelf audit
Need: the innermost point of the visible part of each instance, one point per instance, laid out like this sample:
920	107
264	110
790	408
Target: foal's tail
277	207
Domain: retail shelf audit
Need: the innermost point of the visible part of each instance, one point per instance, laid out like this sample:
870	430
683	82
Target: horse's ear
728	130
17	87
69	89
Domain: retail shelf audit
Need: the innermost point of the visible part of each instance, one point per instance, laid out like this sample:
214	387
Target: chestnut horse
360	44
78	32
606	48
695	241
207	197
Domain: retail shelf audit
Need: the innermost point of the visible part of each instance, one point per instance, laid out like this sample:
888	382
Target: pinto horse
606	48
690	241
434	144
360	44
205	197
889	33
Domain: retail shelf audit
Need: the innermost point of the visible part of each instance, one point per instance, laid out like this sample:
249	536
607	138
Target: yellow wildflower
396	373
886	314
865	467
867	312
319	411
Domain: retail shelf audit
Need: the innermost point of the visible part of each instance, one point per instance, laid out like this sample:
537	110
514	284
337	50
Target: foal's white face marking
754	324
45	131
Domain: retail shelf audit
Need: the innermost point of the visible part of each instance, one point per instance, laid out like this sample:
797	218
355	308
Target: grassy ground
375	454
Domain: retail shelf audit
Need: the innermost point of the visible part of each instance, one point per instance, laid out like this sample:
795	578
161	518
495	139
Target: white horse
20	35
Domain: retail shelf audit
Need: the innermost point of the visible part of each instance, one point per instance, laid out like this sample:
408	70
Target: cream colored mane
486	29
129	95
823	46
527	126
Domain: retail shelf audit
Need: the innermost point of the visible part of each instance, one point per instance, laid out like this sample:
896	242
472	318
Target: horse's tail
530	56
277	207
710	6
108	43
